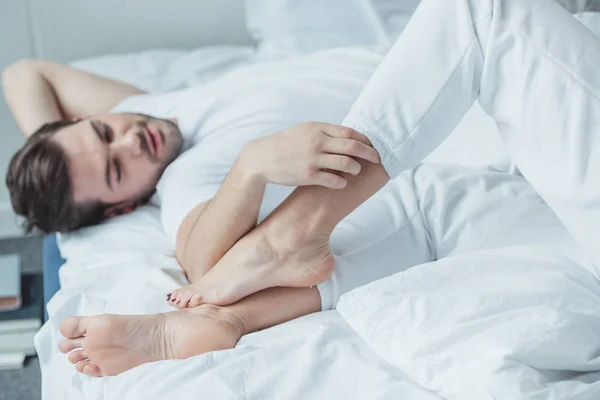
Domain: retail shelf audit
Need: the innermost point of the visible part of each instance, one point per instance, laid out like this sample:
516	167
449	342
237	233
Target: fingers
352	148
338	163
329	180
343	132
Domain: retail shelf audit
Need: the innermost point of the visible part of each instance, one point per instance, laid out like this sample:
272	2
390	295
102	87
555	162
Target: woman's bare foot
256	263
110	344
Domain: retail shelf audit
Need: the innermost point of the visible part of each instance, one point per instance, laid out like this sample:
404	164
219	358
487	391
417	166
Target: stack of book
21	311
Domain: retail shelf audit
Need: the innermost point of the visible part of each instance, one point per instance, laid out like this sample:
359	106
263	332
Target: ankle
237	318
286	239
284	236
165	345
229	315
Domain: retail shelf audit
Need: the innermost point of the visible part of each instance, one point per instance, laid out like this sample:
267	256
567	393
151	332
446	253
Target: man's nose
127	145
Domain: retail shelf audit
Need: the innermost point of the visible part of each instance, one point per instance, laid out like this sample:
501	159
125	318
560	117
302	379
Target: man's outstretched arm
39	91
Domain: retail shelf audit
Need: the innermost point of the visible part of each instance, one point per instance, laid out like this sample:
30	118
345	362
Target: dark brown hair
40	187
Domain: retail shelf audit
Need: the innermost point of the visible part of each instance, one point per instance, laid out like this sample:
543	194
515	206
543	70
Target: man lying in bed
83	161
291	247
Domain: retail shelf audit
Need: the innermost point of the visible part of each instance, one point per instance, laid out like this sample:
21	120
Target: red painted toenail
169	296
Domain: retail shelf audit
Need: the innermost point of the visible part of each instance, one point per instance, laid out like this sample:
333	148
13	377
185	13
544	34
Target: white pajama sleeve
534	69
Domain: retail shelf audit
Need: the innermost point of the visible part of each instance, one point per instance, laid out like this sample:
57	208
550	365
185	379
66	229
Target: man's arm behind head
38	92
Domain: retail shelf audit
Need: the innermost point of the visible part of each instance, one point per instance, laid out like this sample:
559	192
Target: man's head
71	174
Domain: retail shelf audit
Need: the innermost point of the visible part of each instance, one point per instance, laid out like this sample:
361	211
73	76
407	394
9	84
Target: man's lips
155	140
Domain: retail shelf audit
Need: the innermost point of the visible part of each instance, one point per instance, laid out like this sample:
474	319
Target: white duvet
518	324
460	328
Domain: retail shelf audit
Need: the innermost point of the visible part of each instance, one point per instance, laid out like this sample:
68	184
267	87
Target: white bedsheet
315	357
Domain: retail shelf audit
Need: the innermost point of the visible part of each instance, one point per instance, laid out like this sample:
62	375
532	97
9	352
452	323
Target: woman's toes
178	295
182	300
172	298
89	368
77	355
67	345
72	327
195	301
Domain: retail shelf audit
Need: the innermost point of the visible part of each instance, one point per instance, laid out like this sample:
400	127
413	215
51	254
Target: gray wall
64	30
580	5
15	42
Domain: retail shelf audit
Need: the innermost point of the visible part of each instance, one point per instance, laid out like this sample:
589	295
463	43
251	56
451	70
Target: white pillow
167	70
289	27
140	231
394	15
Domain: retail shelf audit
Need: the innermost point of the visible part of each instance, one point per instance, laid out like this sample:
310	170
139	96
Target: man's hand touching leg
290	248
307	154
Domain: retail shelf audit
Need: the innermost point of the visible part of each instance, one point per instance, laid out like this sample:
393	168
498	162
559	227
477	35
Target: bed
126	266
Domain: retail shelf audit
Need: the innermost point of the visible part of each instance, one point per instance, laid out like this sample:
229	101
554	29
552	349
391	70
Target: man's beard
173	136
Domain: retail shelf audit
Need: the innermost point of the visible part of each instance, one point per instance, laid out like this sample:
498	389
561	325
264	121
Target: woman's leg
106	345
527	62
437	211
534	69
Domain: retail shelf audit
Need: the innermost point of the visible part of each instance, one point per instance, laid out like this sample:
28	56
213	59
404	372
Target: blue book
32	304
10	282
